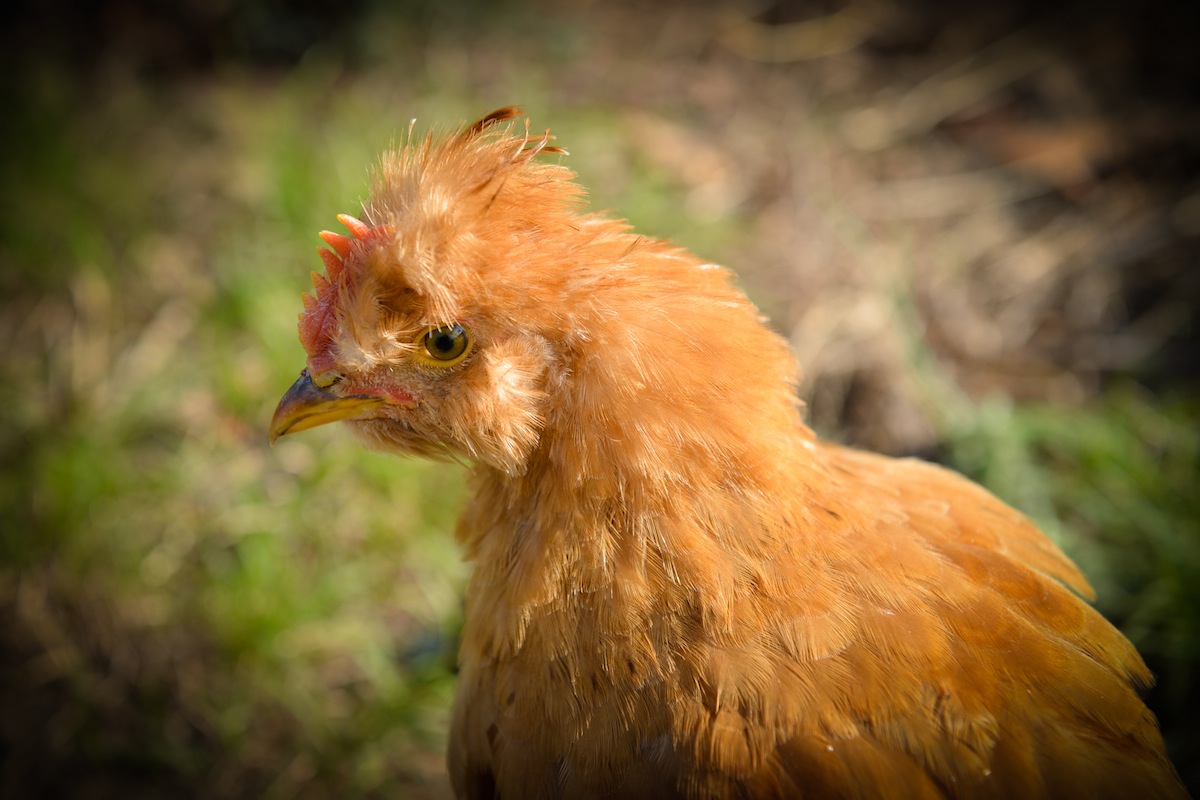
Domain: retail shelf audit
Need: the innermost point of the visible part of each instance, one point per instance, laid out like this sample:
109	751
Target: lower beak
306	406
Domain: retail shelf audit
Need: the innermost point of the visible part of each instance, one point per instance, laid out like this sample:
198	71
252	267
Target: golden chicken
679	592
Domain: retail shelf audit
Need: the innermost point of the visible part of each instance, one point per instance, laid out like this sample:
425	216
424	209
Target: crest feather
433	202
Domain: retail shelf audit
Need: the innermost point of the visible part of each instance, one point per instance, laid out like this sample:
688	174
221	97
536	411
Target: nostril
327	378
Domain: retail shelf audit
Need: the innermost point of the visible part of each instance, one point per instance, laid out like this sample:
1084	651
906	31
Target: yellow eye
445	346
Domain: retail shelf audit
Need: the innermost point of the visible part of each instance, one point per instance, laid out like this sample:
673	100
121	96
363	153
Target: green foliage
267	618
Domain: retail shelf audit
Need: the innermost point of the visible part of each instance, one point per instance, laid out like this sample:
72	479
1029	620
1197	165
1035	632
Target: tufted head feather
451	203
439	208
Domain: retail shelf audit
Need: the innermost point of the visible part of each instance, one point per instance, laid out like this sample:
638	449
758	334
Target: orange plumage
678	590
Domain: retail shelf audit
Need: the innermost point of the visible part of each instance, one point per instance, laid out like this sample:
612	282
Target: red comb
318	323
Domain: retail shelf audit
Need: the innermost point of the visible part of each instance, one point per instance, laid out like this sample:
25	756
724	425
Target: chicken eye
447	345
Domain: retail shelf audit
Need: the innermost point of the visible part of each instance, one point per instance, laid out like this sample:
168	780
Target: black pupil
446	343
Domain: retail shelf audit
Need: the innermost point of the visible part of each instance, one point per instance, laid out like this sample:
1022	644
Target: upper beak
305	406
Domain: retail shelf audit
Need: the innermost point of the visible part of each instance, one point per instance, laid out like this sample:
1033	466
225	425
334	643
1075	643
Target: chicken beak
305	405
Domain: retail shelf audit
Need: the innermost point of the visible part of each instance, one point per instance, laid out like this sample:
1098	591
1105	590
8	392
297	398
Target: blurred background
979	229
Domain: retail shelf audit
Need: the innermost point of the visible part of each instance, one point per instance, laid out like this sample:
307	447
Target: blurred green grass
154	251
191	613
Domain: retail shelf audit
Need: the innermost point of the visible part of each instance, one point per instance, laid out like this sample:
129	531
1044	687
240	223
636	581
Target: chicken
678	590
